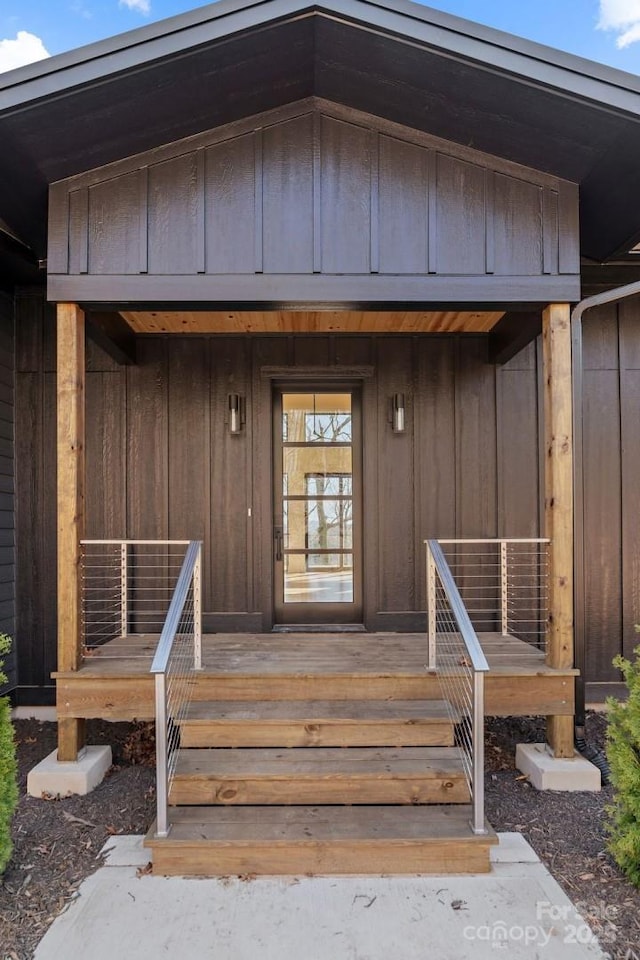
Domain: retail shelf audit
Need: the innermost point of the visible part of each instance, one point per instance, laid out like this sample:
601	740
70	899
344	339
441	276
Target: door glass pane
299	461
317	493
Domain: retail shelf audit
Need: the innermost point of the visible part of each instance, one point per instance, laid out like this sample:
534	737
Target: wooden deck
114	683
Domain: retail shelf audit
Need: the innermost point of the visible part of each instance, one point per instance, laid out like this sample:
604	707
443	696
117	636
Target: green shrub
623	753
8	766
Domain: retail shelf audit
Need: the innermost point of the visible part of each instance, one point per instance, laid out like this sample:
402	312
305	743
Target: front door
317	506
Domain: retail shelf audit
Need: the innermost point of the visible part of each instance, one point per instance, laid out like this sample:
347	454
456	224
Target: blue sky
604	30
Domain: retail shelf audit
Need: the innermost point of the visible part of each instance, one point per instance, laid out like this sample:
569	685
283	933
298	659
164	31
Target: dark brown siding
161	462
35	491
7	538
307	192
611	485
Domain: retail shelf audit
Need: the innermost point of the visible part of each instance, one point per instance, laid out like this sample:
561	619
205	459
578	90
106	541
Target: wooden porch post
71	480
558	434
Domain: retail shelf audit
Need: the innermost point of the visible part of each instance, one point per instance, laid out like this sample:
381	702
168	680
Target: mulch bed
57	842
567	832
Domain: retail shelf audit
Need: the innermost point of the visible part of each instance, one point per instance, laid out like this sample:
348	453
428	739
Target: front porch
385	727
114	683
346	407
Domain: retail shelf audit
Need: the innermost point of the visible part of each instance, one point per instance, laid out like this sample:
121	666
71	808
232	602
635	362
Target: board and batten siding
276	207
161	463
7	524
611	411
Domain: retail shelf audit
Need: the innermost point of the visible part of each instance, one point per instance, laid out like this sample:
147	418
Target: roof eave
408	22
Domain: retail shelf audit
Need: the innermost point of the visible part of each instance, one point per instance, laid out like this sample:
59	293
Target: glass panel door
316	508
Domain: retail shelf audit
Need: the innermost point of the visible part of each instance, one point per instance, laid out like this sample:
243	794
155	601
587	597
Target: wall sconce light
236	413
397	413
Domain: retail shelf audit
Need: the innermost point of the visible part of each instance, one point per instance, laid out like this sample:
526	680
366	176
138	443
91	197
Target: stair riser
330	859
369	790
320	687
316	734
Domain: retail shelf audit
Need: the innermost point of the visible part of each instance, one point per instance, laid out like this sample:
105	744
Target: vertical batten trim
489	221
317	198
568	229
83	231
432	211
550	246
259	245
143	197
201	265
59	238
78	220
374	262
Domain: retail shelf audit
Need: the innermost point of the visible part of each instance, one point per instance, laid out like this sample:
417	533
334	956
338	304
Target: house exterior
358	225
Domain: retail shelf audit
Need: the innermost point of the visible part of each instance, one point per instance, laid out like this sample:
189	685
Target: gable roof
428	70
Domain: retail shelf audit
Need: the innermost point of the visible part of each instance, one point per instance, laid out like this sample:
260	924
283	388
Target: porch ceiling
398	60
351	321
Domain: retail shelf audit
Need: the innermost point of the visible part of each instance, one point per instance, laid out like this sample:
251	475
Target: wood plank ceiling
339	321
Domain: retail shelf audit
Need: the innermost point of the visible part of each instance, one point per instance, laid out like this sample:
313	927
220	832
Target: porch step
331	775
317	723
217	841
314	684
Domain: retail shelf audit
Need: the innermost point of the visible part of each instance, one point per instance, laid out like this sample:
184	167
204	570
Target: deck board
317	723
322	775
114	681
330	654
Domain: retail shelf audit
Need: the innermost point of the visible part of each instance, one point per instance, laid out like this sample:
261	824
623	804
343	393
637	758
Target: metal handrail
140	543
167	739
163	650
468	634
463	540
437	566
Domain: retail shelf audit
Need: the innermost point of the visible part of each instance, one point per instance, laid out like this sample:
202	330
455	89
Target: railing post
197	611
431	610
124	588
162	753
504	590
477	734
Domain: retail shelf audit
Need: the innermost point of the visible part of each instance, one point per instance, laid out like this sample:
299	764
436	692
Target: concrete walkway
517	911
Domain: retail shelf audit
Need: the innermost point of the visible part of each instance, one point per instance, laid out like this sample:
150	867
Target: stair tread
316	711
317	824
319	762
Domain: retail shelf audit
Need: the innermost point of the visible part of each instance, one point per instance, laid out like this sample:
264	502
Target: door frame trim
325	375
301	383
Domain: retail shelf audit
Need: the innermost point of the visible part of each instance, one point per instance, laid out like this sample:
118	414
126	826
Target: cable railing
504	584
456	656
127	587
177	656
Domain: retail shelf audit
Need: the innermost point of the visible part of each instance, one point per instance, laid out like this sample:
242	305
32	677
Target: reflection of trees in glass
327	427
329	521
316	492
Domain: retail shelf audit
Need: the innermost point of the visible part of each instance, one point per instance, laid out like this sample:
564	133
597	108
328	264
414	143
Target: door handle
277	535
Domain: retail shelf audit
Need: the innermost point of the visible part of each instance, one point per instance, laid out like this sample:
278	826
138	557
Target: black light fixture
397	413
236	418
